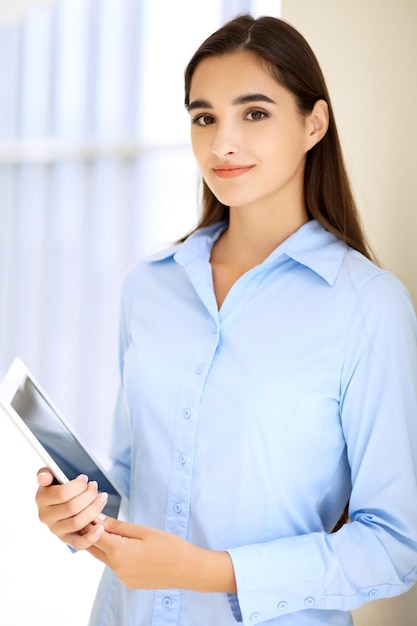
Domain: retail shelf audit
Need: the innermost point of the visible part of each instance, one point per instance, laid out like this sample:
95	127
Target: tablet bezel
16	376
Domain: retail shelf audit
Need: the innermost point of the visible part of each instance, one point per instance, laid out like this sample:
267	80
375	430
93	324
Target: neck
252	235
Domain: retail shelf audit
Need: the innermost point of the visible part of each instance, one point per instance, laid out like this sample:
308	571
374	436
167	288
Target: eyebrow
245	99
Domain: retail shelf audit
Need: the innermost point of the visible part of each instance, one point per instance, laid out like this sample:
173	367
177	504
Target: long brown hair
287	55
289	58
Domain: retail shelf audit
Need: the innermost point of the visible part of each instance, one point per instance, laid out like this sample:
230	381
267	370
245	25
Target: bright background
96	172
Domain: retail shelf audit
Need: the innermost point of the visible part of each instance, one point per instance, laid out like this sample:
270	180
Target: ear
317	123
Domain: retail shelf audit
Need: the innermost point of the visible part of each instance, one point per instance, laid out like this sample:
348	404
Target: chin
227	195
232	199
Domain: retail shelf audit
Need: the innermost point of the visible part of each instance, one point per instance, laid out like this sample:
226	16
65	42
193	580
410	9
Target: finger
105	542
112	525
57	494
45	477
108	545
76	514
108	541
124	529
98	554
63	515
85	540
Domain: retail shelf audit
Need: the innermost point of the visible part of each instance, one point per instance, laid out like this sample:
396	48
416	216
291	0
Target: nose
226	141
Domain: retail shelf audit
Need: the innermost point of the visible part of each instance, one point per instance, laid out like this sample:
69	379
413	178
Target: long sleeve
376	554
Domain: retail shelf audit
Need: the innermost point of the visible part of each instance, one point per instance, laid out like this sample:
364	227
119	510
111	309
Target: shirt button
199	369
183	459
254	617
178	508
374	593
309	601
187	413
167	602
282	605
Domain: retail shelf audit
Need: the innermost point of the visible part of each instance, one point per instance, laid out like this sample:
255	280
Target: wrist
213	572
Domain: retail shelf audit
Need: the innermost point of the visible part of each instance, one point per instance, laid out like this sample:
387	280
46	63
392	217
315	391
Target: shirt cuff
235	606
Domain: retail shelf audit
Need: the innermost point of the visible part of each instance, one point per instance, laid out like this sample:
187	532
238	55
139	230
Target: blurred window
96	171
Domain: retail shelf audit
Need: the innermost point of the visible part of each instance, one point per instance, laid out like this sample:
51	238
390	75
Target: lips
231	171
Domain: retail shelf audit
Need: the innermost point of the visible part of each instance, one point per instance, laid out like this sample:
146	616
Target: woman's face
248	136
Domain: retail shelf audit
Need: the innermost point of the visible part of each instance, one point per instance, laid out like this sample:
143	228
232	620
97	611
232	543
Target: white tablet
25	403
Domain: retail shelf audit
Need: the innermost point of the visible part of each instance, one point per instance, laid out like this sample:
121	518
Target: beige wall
368	52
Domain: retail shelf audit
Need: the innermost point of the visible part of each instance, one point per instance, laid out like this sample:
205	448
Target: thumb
124	529
111	524
45	477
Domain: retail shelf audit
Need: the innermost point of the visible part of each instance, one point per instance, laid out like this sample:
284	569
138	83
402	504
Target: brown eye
203	120
256	115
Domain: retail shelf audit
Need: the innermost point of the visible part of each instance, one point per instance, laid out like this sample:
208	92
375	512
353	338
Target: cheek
286	149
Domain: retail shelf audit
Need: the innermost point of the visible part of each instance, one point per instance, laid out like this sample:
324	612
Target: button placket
179	487
166	607
186	413
167	603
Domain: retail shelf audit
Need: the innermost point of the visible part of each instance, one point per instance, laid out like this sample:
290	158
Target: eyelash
198	118
264	115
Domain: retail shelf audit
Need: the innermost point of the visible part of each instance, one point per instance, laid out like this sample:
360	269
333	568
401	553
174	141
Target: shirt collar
311	246
197	245
315	248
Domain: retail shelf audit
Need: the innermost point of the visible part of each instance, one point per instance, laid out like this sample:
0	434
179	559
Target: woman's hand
145	558
69	509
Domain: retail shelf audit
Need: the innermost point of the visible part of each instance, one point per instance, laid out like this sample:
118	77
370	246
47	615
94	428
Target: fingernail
101	517
84	477
93	483
103	497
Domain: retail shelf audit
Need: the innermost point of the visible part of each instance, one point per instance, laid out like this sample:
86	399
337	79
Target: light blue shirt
247	429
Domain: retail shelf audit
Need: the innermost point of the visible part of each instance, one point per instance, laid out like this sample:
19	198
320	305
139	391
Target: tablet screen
67	452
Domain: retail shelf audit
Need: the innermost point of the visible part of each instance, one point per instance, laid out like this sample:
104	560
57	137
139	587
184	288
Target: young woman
268	377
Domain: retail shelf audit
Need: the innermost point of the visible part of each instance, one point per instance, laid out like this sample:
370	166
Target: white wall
368	52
